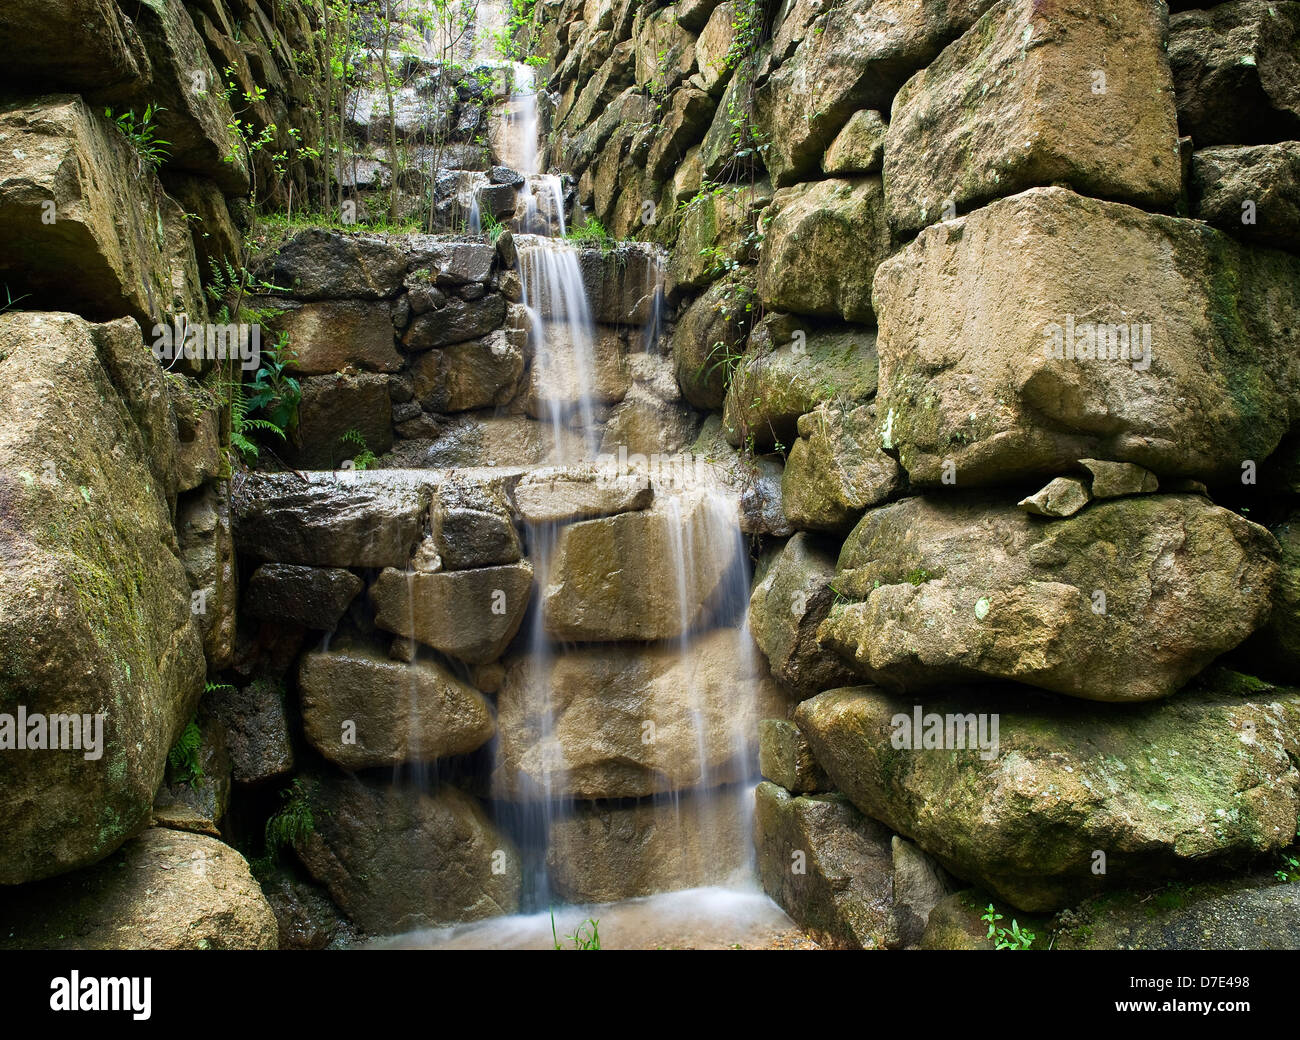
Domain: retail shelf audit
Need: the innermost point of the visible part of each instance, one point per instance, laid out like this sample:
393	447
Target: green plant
492	227
142	134
1013	938
184	756
591	232
11	300
273	391
365	458
293	822
585	937
242	425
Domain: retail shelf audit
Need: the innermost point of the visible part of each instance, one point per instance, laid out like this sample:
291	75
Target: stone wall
884	219
119	589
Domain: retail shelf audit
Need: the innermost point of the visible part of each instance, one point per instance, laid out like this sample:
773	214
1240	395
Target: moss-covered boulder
788	372
837	469
828	866
1125	601
786	609
164	890
95	608
1074	800
716	233
821	246
989	332
88	226
708	337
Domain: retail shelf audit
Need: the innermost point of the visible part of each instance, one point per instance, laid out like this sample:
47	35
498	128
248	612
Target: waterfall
563	336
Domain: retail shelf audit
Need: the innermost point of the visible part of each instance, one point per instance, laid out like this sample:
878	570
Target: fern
293	822
365	458
184	756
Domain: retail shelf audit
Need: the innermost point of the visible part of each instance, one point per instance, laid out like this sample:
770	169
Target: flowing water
704	820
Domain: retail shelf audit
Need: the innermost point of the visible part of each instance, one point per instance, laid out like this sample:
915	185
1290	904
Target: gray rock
362	519
471	615
785	758
1113	479
1252	193
257	729
360	710
320	265
314	597
395	857
828	866
1064	496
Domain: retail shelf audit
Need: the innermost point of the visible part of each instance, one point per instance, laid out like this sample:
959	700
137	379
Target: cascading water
712	702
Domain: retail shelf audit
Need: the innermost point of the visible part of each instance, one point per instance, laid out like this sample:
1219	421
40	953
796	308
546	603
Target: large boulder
1037	94
987	341
1251	192
165	890
95	607
773	385
370	518
852	55
786	609
334	335
1236	67
1070	801
80	45
395	857
75	200
648	575
471	615
1124	601
360	709
601	852
828	866
321	264
836	469
625	722
822	243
